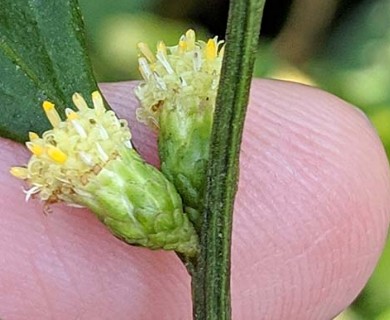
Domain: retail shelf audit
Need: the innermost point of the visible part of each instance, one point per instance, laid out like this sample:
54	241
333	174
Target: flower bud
177	98
88	160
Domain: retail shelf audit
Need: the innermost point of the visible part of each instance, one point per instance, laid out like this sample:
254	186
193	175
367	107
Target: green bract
139	205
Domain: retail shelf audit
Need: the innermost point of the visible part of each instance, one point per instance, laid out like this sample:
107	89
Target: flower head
88	160
190	69
177	97
66	157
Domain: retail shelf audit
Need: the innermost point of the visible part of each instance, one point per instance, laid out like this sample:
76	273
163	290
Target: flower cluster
177	98
66	157
189	69
88	160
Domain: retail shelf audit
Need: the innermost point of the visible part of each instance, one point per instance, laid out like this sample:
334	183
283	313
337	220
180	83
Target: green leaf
42	56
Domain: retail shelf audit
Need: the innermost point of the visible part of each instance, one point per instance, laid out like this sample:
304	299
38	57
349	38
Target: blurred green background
342	46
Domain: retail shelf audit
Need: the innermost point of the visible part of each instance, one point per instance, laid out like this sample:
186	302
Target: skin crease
311	218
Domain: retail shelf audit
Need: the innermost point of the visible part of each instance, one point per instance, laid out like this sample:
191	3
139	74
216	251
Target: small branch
211	270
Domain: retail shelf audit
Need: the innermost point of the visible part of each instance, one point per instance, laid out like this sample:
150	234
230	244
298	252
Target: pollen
182	44
35	149
56	154
51	113
188	71
64	158
70	114
48	106
211	50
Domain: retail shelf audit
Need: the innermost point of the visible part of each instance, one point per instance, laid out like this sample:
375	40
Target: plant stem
211	270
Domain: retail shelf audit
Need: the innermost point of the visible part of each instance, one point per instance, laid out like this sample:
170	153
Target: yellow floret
71	115
35	149
56	154
191	69
211	50
74	150
51	113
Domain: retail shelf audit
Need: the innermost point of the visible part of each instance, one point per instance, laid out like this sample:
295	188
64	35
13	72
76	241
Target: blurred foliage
115	27
374	302
352	61
354	65
357	64
357	60
357	57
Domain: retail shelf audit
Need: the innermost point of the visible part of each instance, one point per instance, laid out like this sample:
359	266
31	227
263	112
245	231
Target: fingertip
311	217
312	211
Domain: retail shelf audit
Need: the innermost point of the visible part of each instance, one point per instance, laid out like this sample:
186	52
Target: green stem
211	270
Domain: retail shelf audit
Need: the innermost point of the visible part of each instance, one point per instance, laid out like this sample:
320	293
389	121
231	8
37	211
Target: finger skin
311	218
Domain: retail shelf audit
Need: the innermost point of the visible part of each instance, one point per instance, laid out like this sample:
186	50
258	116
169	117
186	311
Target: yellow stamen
33	136
98	102
211	50
47	106
161	47
79	101
51	113
19	172
182	44
71	115
190	36
144	48
64	158
35	149
56	154
190	68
